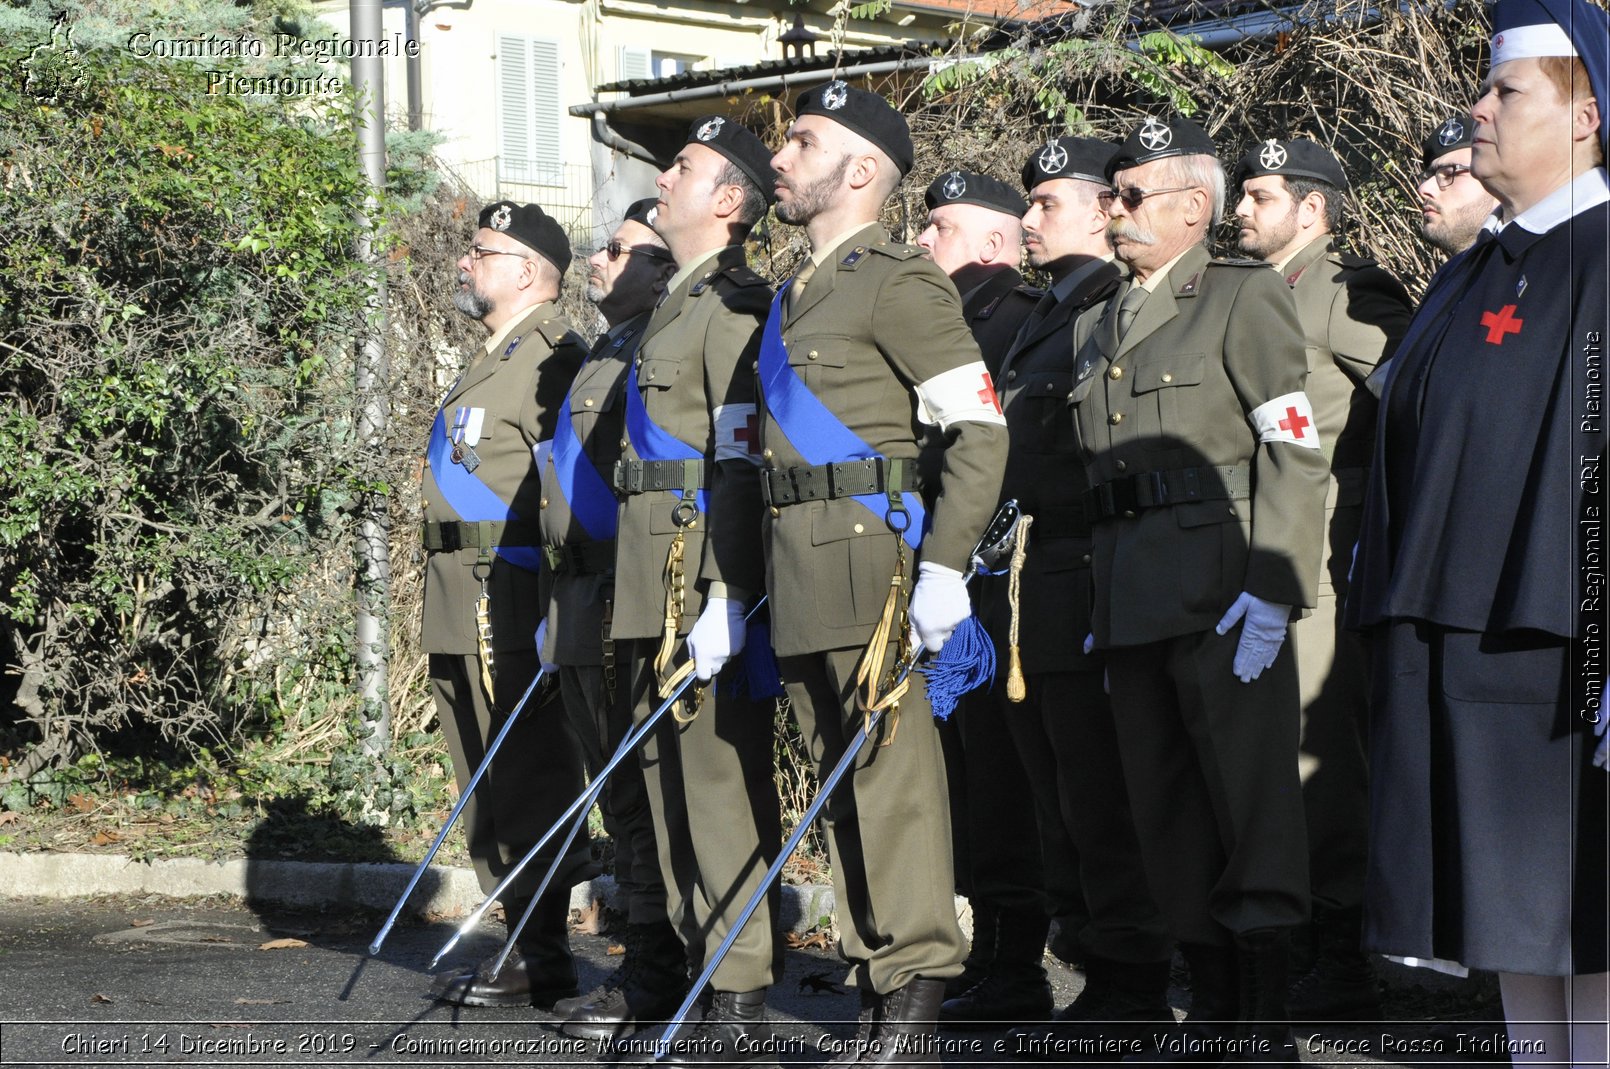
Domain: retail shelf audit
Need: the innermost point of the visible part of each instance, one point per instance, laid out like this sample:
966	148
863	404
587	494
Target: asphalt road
153	981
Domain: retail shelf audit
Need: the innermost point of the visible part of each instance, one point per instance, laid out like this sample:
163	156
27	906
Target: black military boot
538	972
1122	1008
648	985
1263	958
1209	1030
908	1031
986	925
1014	986
870	1022
1340	984
733	1033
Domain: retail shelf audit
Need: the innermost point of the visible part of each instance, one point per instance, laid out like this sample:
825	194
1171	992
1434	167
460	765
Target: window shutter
635	63
545	112
528	110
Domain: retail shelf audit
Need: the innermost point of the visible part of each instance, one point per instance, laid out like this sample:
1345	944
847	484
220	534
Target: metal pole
415	93
373	373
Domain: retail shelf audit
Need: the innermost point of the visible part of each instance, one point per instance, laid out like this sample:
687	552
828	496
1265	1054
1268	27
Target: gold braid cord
1016	688
483	642
675	600
892	626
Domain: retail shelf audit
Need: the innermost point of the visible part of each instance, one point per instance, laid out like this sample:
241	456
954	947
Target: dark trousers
714	800
1068	747
1211	765
534	777
601	720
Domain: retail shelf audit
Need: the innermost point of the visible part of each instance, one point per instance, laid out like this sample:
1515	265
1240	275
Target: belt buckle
766	496
1125	502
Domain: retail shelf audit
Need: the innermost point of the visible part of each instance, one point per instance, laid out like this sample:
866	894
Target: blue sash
650	440
590	498
816	433
472	499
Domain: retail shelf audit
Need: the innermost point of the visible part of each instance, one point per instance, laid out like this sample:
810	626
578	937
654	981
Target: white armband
1288	418
962	394
737	433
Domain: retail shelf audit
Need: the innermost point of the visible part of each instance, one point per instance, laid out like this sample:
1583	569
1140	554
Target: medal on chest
465	433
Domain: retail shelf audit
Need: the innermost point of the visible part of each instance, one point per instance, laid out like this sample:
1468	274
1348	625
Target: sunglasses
479	252
1132	196
1446	173
616	249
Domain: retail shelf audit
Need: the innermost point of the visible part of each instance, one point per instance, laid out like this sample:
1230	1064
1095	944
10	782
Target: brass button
1167	377
755	364
859	529
775	511
543	503
651	373
1116	418
766	454
639	361
588	403
812	355
424	504
1122	466
1129	514
624	443
1116	373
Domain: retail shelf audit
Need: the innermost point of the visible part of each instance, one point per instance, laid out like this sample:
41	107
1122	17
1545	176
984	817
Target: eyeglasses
616	249
479	251
1445	173
1132	196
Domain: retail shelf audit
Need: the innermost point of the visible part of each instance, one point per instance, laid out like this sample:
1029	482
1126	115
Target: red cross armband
963	394
737	433
1288	418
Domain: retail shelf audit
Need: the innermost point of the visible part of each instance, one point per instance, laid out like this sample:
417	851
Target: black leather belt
845	478
646	476
450	535
1155	489
580	558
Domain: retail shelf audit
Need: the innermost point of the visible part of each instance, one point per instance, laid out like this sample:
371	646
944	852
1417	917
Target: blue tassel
965	663
756	672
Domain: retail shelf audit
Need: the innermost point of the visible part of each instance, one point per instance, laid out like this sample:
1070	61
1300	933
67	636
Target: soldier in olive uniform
1352	313
864	348
484	597
689	473
1207	499
1062	725
974	234
625	278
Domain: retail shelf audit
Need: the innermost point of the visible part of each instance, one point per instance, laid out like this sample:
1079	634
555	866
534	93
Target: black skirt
1487	816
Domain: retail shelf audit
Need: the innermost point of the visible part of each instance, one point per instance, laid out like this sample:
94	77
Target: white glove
1263	629
548	667
717	636
939	604
1601	756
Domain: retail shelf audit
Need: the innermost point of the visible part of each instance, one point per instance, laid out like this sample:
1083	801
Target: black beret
1298	158
1084	158
868	114
530	226
735	141
1156	139
641	211
970	187
1458	131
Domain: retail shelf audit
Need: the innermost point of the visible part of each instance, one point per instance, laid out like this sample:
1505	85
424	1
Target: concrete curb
443	891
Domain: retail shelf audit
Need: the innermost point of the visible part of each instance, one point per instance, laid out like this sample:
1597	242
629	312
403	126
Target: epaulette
556	331
897	250
704	282
1353	259
744	275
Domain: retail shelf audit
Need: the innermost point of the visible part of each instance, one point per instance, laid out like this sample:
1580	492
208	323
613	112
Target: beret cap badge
1273	155
955	185
1452	130
502	218
1155	135
835	95
1053	158
710	129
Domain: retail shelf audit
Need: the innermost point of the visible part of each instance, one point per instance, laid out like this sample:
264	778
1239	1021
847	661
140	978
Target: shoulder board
1237	261
743	275
897	250
1353	259
703	283
556	331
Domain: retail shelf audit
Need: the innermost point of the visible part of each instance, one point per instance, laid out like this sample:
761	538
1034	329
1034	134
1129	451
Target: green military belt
1062	521
1155	489
580	558
845	478
645	476
450	535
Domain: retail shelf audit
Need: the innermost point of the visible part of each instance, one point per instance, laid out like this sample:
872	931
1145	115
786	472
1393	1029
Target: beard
815	198
1263	244
595	292
1455	231
470	301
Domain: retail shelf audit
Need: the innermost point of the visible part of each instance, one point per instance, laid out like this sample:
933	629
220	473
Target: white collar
1587	190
